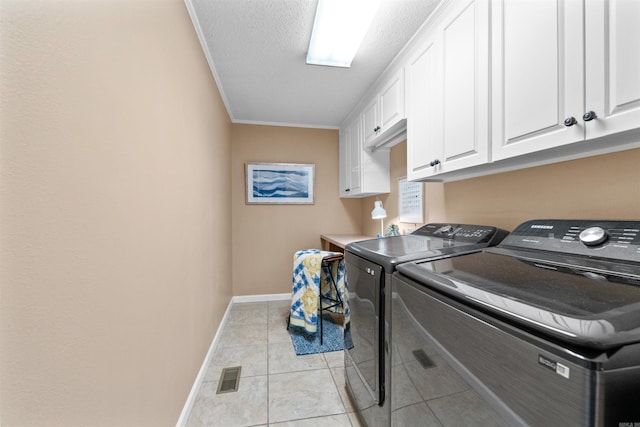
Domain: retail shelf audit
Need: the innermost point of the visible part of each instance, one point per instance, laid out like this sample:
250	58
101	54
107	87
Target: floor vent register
424	360
229	380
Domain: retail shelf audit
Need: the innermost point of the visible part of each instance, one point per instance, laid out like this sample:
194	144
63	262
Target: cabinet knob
435	162
347	189
570	121
376	129
588	116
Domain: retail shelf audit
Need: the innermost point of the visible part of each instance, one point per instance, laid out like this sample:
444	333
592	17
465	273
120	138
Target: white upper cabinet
448	97
383	115
537	75
424	142
364	159
362	173
499	85
355	158
392	102
350	160
563	71
371	120
343	162
465	86
612	42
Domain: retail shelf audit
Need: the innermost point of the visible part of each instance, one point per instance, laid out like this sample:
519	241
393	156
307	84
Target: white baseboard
186	410
258	298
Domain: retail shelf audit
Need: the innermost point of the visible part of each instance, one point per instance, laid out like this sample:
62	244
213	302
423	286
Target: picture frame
280	183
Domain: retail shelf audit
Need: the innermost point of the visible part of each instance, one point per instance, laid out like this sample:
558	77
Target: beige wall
265	237
602	187
433	198
114	194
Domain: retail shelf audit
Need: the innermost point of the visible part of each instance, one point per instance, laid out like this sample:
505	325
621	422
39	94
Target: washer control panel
606	239
460	232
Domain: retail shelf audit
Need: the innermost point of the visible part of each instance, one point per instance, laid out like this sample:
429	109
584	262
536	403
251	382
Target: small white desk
337	242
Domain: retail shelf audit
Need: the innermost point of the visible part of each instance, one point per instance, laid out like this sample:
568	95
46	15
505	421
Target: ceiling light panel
338	30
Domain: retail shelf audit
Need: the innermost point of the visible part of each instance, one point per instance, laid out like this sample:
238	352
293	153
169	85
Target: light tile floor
277	387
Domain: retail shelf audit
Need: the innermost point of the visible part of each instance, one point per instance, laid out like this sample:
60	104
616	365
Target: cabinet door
537	75
423	114
465	83
370	121
350	160
355	158
392	102
344	162
612	66
448	97
362	173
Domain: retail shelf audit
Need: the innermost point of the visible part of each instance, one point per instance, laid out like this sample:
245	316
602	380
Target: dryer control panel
461	232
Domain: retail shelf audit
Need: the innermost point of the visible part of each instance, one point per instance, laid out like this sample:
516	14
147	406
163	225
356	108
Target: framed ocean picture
280	183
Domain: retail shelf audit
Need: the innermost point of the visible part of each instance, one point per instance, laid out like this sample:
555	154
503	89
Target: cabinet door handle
347	189
570	121
589	115
376	129
435	162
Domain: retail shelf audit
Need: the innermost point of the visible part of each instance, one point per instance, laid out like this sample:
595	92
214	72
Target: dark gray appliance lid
591	304
429	241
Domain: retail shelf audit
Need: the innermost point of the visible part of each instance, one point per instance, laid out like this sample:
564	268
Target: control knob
444	230
593	236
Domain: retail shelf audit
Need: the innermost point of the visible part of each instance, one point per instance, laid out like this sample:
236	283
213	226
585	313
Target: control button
593	236
445	229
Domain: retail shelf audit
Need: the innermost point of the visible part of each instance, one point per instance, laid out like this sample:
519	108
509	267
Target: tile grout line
268	356
273	319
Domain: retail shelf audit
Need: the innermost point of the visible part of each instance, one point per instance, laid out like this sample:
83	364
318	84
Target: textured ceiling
257	51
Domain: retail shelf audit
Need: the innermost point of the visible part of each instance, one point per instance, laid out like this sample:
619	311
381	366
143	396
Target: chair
318	285
333	300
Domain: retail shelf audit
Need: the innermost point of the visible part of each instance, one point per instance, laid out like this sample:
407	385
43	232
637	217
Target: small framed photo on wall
280	183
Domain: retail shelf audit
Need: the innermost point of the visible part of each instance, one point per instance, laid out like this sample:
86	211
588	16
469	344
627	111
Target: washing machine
370	265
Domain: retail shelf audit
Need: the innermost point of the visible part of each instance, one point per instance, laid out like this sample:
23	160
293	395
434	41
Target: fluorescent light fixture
338	30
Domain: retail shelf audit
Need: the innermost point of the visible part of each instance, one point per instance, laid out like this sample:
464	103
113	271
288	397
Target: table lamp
379	213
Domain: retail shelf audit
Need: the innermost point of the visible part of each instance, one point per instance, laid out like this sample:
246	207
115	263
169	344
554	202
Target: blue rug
332	339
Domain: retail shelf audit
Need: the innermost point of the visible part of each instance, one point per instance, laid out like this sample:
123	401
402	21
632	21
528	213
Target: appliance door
525	378
365	358
467	369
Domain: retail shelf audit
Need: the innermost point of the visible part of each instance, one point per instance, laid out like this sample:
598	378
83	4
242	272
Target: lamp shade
378	212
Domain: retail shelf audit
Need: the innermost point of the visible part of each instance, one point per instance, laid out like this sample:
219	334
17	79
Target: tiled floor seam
268	376
338	388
